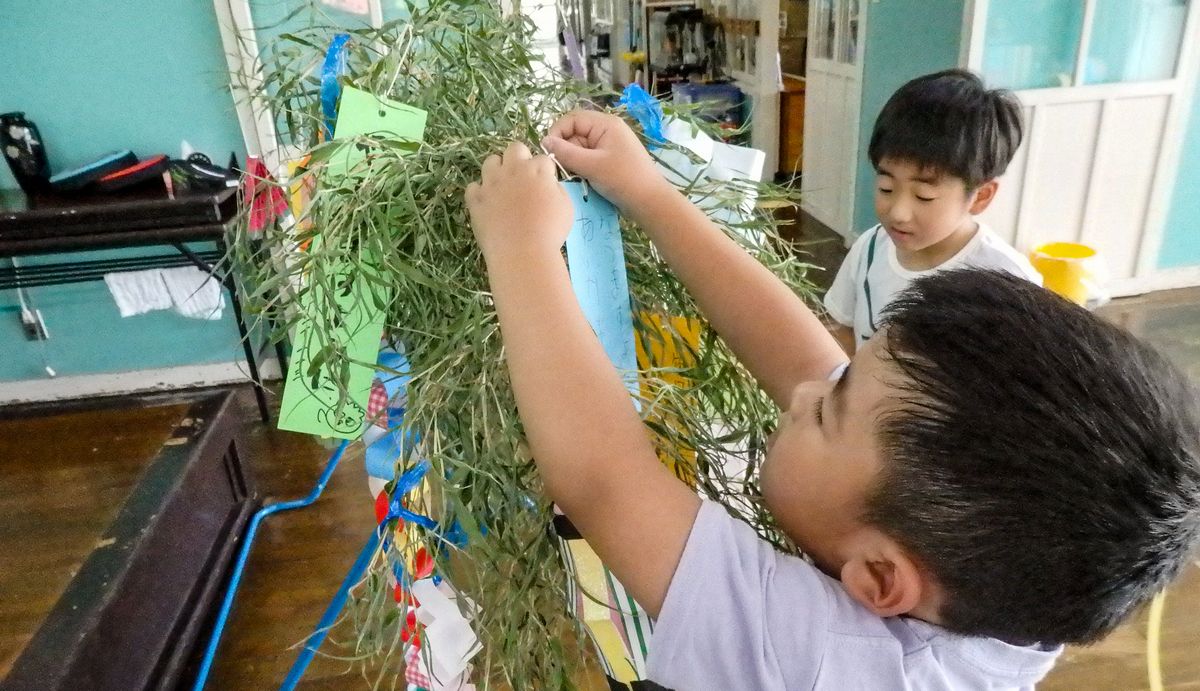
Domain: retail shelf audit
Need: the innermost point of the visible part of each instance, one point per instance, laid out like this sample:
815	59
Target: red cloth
266	199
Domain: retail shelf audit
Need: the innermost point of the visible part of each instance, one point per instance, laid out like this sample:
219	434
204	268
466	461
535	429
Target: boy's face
920	208
820	466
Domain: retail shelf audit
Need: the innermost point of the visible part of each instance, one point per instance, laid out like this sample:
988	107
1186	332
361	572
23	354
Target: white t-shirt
847	300
740	615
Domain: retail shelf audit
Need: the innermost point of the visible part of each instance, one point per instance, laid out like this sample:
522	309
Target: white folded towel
196	294
138	292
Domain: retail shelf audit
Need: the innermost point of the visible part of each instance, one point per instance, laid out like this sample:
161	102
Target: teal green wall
98	75
905	39
101	75
1181	238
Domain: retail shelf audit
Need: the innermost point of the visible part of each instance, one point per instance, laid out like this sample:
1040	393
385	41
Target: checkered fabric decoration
377	405
414	669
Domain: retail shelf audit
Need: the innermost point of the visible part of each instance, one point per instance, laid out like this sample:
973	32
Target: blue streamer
647	111
380	456
456	536
335	64
405	484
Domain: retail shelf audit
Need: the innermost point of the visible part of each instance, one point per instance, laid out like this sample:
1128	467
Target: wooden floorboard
64	479
298	562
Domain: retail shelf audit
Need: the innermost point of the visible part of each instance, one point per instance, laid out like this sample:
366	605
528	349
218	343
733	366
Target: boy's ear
884	579
983	196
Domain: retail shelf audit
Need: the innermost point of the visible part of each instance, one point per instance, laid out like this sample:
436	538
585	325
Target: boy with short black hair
938	147
997	473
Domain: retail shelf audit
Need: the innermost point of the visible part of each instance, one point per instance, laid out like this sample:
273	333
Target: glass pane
1134	40
826	25
1030	44
849	32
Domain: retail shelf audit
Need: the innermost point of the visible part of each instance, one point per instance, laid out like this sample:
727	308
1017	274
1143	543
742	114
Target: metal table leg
260	393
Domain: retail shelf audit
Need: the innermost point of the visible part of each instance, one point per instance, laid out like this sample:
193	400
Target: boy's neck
940	252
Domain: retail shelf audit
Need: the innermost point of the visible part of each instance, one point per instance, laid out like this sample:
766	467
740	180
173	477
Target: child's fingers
544	165
490	166
517	151
548	142
580	125
575	158
564	127
474	190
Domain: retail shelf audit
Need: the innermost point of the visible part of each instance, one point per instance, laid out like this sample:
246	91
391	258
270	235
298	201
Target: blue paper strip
380	457
596	260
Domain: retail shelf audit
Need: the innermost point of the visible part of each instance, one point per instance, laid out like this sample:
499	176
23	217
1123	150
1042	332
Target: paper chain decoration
429	603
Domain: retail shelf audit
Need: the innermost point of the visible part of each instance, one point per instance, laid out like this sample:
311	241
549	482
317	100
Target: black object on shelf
198	173
25	152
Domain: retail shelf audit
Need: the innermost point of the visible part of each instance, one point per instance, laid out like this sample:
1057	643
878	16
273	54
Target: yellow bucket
1070	269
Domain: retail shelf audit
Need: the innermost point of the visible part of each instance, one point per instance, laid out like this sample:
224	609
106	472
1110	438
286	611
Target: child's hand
602	149
519	207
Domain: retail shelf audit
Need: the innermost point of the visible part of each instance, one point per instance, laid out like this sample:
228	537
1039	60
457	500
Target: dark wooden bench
138	608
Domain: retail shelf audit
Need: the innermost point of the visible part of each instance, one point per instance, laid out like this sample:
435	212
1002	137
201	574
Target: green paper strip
361	113
312	400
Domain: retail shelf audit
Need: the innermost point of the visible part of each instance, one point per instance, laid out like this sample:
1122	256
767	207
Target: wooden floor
65	475
1119	662
298	562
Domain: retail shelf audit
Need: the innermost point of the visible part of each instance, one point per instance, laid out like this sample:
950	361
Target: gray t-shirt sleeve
739	614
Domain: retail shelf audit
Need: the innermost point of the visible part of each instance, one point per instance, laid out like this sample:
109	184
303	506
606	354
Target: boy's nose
898	213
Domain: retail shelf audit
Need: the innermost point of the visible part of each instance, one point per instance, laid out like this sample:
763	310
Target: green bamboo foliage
400	223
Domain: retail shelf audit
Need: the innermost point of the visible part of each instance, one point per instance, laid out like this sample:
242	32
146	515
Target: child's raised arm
591	448
770	329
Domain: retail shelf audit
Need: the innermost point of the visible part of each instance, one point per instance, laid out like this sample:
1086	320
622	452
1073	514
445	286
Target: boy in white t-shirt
996	473
938	146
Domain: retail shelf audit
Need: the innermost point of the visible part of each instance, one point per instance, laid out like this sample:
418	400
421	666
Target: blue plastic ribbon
456	536
647	111
396	442
335	64
380	456
405	484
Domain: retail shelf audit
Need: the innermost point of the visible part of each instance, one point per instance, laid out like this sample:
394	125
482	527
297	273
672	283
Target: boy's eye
817	411
884	191
926	199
